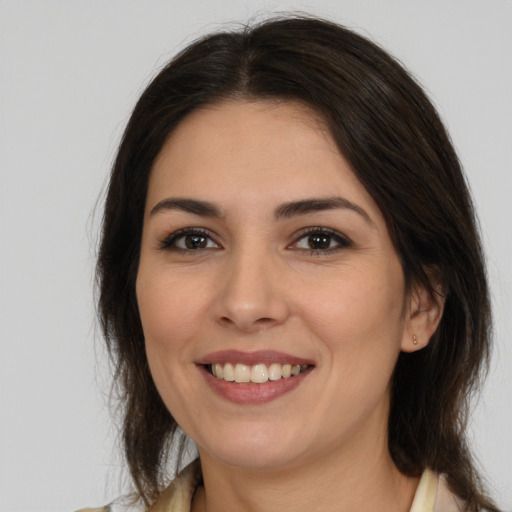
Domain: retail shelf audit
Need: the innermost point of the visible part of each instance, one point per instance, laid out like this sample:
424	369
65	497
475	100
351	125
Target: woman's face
262	254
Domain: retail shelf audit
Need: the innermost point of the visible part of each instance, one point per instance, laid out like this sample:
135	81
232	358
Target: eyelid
167	242
342	240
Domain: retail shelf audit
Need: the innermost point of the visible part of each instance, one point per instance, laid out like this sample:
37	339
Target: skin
258	285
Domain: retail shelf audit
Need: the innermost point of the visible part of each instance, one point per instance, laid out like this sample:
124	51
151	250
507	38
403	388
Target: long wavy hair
390	133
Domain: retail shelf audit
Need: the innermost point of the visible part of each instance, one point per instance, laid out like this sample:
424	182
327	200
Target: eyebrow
203	208
305	206
284	211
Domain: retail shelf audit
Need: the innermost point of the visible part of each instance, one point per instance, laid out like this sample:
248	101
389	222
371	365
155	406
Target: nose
252	296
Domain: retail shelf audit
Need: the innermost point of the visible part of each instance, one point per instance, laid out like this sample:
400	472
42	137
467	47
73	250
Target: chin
253	449
255	459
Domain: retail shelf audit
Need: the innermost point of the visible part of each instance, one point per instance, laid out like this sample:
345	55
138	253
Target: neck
343	480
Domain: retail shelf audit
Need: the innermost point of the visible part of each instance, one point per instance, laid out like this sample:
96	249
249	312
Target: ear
423	314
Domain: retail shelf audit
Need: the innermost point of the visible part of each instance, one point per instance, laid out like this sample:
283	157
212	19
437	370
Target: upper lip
252	358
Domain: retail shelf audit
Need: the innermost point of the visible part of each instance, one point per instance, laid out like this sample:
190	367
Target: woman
290	271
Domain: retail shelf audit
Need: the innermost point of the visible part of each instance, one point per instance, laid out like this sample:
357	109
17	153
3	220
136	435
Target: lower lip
251	393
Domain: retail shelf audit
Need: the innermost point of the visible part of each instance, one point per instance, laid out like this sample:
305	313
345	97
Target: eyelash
343	242
168	243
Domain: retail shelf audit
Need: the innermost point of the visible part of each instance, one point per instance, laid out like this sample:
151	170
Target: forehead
253	128
249	150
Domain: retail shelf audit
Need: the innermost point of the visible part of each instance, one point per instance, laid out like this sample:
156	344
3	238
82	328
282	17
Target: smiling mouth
258	373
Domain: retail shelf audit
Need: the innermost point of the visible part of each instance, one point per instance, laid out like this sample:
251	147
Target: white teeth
286	370
218	371
258	373
242	373
228	372
274	371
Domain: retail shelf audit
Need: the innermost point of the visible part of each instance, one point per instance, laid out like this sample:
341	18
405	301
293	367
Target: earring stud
414	339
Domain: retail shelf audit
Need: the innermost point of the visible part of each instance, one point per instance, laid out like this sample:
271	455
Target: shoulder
101	509
433	495
116	506
178	496
446	500
175	498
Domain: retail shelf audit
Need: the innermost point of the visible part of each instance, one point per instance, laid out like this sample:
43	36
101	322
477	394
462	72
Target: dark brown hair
390	133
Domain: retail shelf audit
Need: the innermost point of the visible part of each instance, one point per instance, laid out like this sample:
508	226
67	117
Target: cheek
358	311
168	309
169	315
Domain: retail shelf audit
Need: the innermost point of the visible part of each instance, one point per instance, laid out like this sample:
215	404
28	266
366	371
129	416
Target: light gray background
70	73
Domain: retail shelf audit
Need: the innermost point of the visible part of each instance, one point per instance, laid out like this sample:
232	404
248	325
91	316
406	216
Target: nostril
247	324
264	320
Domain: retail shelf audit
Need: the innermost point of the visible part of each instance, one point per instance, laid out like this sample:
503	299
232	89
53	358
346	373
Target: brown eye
195	241
321	241
318	241
189	240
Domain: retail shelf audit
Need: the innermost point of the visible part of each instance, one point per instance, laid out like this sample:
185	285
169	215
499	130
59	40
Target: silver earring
414	339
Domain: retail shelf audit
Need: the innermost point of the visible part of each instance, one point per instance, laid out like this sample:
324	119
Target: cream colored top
432	495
